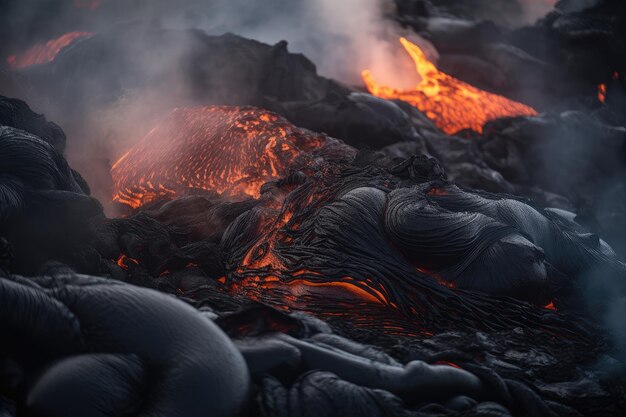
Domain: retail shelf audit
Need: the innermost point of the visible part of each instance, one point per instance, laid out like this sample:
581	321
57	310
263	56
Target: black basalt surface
459	327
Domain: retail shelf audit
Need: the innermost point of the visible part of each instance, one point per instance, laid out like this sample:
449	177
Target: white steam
536	9
341	37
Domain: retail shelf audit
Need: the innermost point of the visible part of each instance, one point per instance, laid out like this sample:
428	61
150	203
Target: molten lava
602	93
124	261
231	151
602	88
44	52
550	306
451	104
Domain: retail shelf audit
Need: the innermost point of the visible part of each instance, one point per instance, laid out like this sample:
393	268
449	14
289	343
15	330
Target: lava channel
44	52
450	103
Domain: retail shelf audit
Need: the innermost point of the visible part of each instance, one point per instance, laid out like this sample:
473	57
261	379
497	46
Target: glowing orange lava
292	291
450	103
44	52
231	151
123	261
264	274
602	93
602	88
452	364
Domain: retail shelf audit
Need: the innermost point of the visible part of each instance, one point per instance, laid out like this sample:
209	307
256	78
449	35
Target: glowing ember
550	306
265	274
228	150
292	291
123	261
602	88
602	93
44	52
451	103
452	364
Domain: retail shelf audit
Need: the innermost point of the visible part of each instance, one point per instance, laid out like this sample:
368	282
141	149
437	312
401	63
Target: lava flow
449	102
231	151
44	52
602	88
264	274
602	93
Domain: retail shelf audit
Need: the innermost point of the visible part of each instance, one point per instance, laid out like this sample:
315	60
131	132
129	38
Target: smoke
341	37
535	9
566	151
605	295
614	321
606	290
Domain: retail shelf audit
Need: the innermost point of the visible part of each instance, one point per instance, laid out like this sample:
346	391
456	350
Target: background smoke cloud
341	37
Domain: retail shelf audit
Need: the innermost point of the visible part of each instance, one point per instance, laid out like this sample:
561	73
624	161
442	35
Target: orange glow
44	52
123	261
550	306
436	191
264	275
291	290
450	103
452	364
371	295
265	272
436	277
231	151
602	93
602	88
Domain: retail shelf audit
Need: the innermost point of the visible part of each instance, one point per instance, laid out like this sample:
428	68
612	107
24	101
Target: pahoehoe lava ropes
196	222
